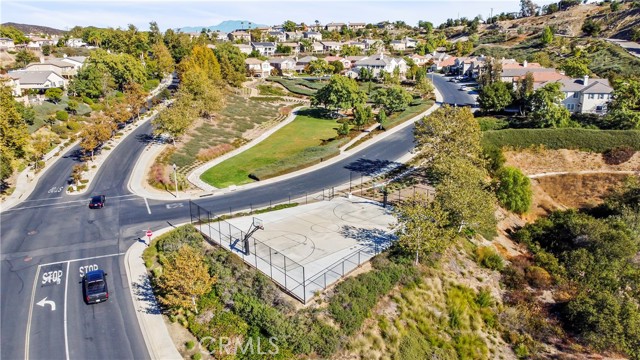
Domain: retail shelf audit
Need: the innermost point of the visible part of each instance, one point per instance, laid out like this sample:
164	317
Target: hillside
225	26
35	29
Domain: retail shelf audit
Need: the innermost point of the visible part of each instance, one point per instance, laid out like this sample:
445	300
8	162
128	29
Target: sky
64	15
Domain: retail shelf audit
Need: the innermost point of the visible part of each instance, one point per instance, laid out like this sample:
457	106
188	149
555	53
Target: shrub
514	190
189	344
151	84
73	125
87	100
491	123
196	356
494	156
59	129
489	258
96	107
62	115
213	152
618	155
538	277
566	138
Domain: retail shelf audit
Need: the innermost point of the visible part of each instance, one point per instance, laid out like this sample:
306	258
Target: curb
152	326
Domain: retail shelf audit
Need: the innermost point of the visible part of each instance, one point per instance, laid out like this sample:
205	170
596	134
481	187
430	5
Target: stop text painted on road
86	268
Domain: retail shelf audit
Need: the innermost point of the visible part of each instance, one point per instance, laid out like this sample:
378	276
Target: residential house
37	80
443	64
295	47
302	63
293	36
359	44
334	26
220	36
469	66
75	43
7	44
410	43
398	45
512	71
283	65
331	46
317	47
279	36
258	68
384	25
242	36
379	63
357	26
419	59
264	48
345	62
585	96
372	44
11	83
244	48
313	35
354	59
76	61
64	69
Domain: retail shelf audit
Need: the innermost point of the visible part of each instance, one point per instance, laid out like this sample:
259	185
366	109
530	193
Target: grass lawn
408	113
284	147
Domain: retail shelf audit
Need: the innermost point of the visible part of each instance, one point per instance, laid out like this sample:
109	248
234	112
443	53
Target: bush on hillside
514	190
62	115
618	155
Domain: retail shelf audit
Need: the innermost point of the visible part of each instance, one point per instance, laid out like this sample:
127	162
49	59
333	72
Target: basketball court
308	247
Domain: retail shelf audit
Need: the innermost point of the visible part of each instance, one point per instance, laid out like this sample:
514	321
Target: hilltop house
244	48
242	36
279	36
62	68
264	48
331	46
512	71
345	62
293	36
398	45
585	96
75	43
258	68
7	44
37	80
312	35
357	26
334	26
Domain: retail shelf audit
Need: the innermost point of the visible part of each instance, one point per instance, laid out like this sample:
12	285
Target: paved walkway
145	162
632	48
154	330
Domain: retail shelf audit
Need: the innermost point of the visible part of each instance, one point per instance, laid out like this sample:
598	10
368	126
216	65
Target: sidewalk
152	325
137	181
27	179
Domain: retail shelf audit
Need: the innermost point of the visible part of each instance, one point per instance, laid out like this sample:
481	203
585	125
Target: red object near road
149	233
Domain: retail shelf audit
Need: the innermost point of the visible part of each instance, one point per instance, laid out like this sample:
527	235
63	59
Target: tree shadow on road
143	291
371	167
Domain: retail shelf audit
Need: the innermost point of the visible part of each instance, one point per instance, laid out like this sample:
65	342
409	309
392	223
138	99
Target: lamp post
175	174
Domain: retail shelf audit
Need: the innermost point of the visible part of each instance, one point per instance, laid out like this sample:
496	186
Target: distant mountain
225	26
35	29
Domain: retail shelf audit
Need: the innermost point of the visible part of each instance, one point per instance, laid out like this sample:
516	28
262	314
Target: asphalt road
50	239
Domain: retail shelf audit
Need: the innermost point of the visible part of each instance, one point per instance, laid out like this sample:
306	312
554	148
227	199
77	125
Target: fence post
304	287
343	268
325	280
220	233
229	236
359	258
199	221
250	208
209	223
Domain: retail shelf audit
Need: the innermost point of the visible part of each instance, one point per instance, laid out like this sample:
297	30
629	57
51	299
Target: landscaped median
307	140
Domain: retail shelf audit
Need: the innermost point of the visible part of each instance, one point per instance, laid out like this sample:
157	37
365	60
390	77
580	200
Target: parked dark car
94	287
97	202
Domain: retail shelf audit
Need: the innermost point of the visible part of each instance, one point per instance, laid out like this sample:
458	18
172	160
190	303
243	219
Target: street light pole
175	174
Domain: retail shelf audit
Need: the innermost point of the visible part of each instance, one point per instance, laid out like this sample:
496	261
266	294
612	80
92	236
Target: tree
93	81
163	59
350	50
492	72
76	173
424	87
425	228
231	61
448	132
25	57
289	26
426	26
54	94
575	68
381	118
514	190
547	35
362	115
392	99
547	109
174	121
46	49
624	109
463	192
185	277
615	6
40	144
319	67
523	92
344	129
528	8
96	134
337	66
495	97
202	58
283	49
341	92
135	97
14	34
591	27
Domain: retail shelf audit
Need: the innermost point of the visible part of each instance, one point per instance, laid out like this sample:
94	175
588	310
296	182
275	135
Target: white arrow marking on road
44	302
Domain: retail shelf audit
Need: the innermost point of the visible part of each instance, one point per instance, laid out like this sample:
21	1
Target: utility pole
491	17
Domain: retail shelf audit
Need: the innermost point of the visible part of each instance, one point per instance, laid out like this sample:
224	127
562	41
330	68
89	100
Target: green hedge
582	139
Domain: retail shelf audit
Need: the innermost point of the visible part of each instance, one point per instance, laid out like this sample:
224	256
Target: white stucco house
75	43
257	68
38	80
283	65
585	96
264	48
7	44
379	63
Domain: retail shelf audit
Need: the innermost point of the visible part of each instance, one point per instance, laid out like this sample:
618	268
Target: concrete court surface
321	241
